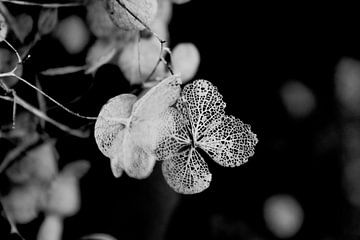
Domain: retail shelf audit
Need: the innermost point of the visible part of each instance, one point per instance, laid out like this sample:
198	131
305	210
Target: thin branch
14	110
140	21
15	51
42	115
46	5
12	74
52	99
161	41
41	101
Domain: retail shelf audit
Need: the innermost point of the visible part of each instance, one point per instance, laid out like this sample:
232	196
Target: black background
248	52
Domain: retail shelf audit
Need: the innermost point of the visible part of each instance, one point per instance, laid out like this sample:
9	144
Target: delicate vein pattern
199	121
128	128
187	172
201	103
107	128
175	135
230	142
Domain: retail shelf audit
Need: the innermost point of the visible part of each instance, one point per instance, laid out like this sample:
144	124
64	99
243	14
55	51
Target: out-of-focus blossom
347	84
73	34
283	215
185	60
39	187
298	99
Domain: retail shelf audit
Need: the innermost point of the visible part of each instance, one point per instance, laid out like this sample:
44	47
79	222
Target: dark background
248	52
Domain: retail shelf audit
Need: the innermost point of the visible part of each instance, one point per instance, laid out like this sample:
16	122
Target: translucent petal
175	135
187	172
202	104
138	59
117	167
149	121
145	10
109	128
138	163
100	53
229	142
157	99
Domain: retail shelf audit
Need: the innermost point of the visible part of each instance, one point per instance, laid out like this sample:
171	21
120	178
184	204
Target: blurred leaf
62	70
47	20
25	25
180	1
63	196
22	203
99	54
98	236
38	163
76	169
51	228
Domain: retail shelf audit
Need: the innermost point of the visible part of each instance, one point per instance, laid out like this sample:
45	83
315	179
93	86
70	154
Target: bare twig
41	101
161	41
42	115
12	74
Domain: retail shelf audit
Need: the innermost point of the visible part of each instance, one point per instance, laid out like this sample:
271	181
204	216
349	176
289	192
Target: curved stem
52	99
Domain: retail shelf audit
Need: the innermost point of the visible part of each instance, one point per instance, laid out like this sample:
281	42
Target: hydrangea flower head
198	121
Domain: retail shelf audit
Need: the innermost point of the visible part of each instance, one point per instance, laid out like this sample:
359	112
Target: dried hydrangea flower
128	129
199	121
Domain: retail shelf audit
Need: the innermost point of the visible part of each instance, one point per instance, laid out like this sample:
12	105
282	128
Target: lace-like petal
229	142
187	172
175	135
108	130
202	104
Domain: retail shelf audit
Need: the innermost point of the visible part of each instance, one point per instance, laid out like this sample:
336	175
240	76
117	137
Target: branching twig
12	74
42	115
